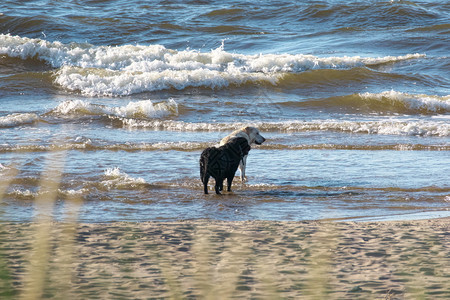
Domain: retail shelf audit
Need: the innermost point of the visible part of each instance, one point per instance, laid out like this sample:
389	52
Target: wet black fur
222	162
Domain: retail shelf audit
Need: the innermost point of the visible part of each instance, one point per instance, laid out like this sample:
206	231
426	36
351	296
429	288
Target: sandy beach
205	259
107	105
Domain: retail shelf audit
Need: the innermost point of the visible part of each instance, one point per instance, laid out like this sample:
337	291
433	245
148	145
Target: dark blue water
352	97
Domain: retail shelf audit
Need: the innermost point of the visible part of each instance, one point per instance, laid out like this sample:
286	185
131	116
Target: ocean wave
215	70
376	14
84	144
147	115
134	110
18	119
23	194
385	127
409	102
129	69
388	127
144	109
437	27
325	78
382	103
114	178
198	146
100	82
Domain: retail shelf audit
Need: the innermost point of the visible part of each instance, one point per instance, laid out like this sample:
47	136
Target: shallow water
353	99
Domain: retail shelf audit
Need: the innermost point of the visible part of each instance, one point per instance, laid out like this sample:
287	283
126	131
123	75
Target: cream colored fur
252	135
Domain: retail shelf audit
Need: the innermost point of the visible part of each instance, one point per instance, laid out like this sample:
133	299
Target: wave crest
386	102
18	119
388	127
114	178
129	69
139	110
405	102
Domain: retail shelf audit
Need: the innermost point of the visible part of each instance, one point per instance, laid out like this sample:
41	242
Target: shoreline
245	259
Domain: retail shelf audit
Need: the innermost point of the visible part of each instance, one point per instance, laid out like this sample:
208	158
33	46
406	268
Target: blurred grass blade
6	178
39	261
6	287
65	254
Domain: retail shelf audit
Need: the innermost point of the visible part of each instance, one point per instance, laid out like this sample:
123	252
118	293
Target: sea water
352	98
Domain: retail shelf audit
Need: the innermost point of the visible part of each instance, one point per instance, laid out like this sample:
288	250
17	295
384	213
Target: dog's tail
208	162
204	161
203	164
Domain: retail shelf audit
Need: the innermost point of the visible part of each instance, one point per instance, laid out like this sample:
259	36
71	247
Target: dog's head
254	135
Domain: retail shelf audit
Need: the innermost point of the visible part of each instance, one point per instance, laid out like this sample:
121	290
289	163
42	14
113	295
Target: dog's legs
242	165
229	181
219	184
205	183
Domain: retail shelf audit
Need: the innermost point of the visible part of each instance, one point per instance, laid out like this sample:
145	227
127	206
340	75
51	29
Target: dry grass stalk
34	281
323	244
6	178
230	265
203	267
65	252
6	289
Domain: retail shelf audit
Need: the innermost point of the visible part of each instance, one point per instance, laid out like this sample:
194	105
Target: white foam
385	127
419	102
115	178
262	185
71	192
18	119
24	194
388	127
128	69
172	145
116	83
147	109
140	109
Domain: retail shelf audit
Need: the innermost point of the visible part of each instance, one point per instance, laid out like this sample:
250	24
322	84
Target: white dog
252	135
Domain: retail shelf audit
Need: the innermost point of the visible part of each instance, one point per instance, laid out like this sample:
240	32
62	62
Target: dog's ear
248	130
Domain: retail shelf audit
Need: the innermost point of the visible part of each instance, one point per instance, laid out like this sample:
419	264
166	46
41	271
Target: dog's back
222	162
238	147
252	135
225	161
206	158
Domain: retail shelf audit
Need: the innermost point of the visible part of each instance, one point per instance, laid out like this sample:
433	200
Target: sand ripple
250	259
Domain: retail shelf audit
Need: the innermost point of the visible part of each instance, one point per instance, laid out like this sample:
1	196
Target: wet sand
222	260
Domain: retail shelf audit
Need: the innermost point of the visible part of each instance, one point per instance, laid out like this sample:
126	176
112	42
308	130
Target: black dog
222	162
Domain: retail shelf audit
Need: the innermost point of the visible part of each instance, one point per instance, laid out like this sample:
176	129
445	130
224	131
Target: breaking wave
18	119
384	102
198	146
129	69
117	179
145	109
148	115
409	102
387	127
